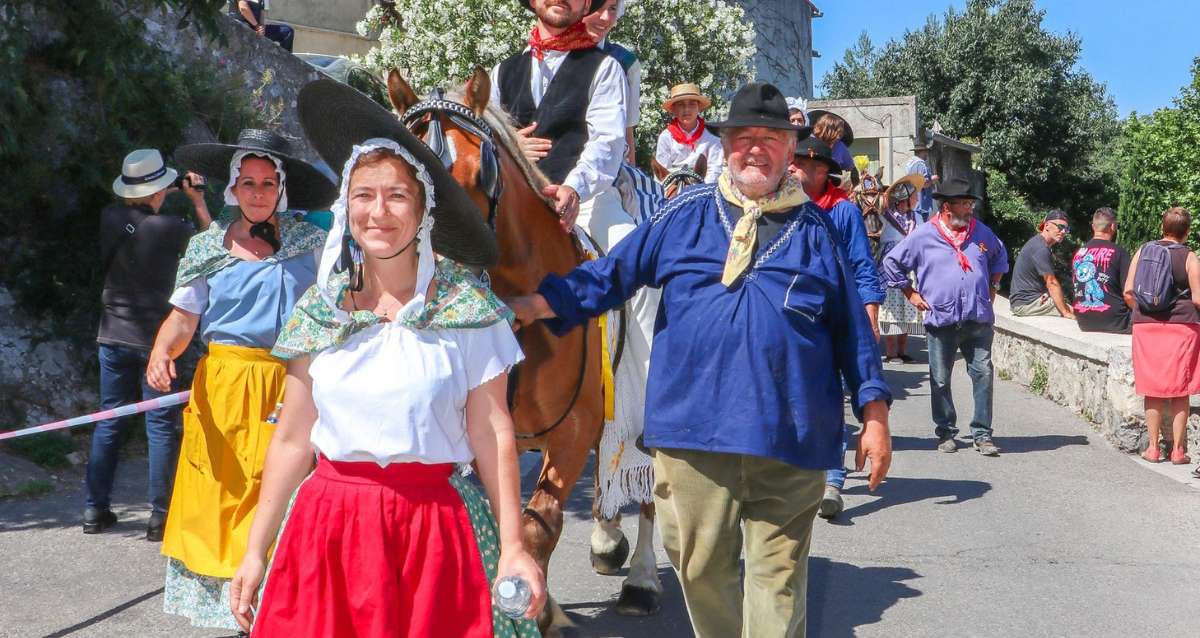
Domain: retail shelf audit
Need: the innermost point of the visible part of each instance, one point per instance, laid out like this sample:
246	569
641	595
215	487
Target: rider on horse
599	24
686	138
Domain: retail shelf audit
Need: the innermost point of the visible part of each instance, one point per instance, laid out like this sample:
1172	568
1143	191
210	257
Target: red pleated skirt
1166	359
369	552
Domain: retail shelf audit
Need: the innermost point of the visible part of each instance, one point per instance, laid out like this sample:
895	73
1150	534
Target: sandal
1179	457
1152	455
904	358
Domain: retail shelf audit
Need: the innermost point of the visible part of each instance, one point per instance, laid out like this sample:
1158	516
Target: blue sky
1141	50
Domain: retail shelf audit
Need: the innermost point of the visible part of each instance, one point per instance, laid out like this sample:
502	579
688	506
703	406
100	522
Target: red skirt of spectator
372	552
1166	359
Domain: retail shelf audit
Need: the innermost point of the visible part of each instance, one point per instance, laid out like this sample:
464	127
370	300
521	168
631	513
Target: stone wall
1091	373
783	35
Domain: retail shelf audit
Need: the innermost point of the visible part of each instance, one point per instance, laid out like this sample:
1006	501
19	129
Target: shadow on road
1008	444
842	597
105	614
902	491
599	619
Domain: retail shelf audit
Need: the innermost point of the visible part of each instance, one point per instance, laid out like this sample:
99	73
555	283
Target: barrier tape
125	410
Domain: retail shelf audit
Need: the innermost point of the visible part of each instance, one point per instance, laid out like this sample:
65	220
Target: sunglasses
1063	227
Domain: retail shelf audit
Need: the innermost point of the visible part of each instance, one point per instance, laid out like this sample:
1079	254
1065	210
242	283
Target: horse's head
675	181
457	133
478	145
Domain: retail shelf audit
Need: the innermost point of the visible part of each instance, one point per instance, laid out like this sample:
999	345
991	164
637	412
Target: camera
184	180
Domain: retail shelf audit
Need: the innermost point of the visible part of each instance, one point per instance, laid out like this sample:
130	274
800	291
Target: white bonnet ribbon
620	8
235	170
337	232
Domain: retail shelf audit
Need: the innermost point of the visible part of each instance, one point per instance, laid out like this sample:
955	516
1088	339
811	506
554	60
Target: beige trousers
710	506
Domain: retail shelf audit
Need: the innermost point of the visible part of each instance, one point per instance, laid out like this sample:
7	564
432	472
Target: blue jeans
837	476
974	340
123	381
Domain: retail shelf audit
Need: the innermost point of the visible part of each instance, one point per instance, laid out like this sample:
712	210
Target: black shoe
154	529
96	520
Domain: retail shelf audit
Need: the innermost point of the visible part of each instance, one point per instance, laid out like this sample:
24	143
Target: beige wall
324	26
884	129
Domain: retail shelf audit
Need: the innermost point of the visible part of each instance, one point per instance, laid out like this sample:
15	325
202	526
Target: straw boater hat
306	187
686	91
904	187
336	117
143	174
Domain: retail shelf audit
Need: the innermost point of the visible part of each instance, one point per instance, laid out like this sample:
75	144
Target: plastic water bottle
512	596
273	418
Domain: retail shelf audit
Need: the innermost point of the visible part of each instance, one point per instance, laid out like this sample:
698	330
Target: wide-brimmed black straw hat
759	104
307	188
336	117
816	148
957	188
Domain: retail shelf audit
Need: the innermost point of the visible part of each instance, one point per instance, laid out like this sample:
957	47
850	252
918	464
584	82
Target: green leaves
993	73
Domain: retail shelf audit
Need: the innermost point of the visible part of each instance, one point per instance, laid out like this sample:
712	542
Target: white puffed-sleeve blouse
394	394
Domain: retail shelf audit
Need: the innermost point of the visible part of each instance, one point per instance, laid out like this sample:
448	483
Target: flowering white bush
438	43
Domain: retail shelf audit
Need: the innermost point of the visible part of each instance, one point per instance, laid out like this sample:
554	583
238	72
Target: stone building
887	128
784	34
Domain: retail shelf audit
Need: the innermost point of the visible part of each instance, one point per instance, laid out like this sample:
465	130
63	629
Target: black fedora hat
307	188
956	188
336	117
816	114
815	148
759	104
592	8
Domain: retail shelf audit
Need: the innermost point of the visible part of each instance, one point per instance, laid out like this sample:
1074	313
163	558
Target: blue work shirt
755	368
954	295
918	166
847	220
250	301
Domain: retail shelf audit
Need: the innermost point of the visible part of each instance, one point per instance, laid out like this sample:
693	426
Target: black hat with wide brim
759	104
307	188
816	148
955	189
336	117
847	137
595	6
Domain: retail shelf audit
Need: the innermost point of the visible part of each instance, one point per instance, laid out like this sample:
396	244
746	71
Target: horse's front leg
609	547
641	593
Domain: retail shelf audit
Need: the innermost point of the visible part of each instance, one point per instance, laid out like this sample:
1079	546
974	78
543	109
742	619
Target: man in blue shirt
958	263
758	324
919	164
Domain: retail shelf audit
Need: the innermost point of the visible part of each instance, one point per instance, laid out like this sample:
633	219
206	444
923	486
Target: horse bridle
492	186
490	181
681	175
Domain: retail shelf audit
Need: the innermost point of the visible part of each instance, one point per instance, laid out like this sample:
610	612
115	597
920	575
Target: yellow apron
225	439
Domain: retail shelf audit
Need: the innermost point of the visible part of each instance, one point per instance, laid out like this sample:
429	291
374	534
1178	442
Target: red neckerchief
575	37
957	239
830	197
680	136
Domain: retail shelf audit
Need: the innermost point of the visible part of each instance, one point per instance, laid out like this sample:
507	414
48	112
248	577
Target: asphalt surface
1059	536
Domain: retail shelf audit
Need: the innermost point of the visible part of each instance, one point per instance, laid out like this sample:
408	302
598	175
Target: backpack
1153	285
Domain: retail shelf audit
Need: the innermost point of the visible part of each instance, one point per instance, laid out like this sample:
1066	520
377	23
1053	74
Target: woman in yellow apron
237	283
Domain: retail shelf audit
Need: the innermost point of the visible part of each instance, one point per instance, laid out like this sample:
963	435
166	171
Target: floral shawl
206	252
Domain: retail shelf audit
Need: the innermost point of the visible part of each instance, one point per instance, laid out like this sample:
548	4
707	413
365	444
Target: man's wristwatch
996	286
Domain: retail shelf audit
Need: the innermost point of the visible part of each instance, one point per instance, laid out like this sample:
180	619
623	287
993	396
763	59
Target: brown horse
675	181
555	395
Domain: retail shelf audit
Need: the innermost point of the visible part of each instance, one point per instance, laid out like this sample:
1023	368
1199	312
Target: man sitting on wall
254	14
1035	290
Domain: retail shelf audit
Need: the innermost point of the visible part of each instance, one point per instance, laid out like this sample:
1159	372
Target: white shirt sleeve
191	297
494	100
716	163
605	149
662	150
488	352
633	106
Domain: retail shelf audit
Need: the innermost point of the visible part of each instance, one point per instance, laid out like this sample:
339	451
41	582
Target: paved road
1060	536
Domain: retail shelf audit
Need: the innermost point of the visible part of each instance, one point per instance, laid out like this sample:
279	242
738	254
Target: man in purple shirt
958	263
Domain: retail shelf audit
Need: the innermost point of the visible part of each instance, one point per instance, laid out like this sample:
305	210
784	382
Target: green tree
438	44
1158	156
994	75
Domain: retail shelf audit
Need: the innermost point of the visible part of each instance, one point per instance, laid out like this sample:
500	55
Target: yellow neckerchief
745	234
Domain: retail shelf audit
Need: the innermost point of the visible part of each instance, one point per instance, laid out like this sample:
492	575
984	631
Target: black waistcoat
562	114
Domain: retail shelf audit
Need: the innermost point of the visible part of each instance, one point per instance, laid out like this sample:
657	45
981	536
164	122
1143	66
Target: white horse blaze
606	535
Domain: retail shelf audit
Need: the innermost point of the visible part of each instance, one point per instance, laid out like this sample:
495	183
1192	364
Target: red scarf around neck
683	137
574	38
957	239
830	197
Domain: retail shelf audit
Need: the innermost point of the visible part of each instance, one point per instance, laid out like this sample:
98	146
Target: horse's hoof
609	563
637	601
